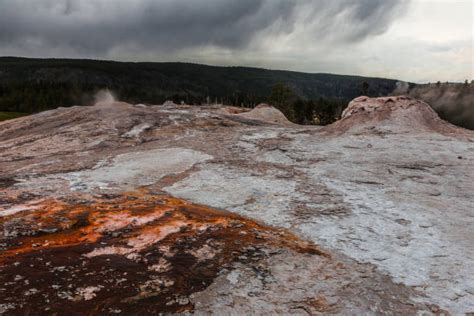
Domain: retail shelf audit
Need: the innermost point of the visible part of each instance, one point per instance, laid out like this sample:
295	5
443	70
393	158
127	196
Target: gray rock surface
387	191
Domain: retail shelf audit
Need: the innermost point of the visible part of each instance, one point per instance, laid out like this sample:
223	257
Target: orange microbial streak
145	220
133	250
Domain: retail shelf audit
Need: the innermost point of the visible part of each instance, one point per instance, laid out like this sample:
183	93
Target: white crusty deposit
389	186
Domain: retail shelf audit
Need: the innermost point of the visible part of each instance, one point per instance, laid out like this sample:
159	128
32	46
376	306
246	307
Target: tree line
37	96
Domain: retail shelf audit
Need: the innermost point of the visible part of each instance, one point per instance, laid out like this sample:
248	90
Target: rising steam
454	102
104	97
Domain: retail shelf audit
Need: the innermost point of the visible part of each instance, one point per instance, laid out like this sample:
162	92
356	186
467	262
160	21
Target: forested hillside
32	85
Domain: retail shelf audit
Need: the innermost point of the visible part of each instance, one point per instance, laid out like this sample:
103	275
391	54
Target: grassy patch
10	115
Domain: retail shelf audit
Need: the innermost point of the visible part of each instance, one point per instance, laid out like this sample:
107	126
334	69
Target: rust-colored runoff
136	251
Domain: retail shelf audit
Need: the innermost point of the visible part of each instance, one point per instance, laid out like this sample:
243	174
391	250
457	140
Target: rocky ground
121	208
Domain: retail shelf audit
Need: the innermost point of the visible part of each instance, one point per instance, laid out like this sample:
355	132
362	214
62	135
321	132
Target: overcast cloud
341	36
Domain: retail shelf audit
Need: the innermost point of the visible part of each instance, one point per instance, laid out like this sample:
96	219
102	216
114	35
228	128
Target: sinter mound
385	115
266	113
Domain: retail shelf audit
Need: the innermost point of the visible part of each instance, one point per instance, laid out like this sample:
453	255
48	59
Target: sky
410	40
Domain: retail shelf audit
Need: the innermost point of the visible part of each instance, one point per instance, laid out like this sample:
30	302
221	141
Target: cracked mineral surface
123	209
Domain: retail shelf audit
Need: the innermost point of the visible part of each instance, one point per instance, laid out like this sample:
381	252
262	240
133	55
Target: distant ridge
66	82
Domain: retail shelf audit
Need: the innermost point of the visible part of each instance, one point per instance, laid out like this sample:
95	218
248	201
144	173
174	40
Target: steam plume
104	97
454	102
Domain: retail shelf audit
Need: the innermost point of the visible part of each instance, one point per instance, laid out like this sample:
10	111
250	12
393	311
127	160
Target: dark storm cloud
87	27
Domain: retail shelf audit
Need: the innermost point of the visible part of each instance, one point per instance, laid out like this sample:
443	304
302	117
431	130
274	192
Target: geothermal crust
118	208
